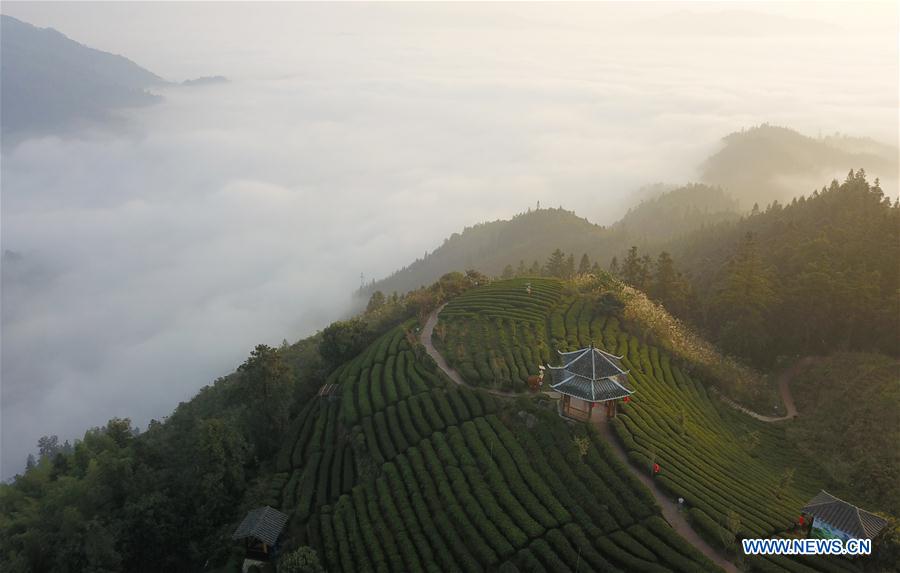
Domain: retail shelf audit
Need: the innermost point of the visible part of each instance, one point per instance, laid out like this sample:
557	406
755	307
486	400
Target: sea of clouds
148	258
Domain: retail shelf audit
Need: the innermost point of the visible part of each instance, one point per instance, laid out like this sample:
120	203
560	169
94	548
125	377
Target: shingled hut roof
845	516
264	524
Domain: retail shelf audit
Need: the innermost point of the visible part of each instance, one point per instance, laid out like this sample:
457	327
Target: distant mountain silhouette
51	83
758	165
489	247
768	163
205	81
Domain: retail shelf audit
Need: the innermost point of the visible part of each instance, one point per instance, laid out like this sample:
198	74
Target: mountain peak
52	83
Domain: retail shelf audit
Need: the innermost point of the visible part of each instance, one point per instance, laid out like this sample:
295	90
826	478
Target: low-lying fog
151	256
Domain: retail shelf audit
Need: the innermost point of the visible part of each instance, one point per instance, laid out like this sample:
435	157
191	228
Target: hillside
769	163
761	286
528	238
488	247
814	276
675	213
852	399
406	473
755	166
399	469
736	474
52	83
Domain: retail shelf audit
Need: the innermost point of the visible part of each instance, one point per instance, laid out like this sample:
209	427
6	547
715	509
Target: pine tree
556	264
569	270
268	383
667	285
631	268
745	295
584	266
646	273
521	270
48	446
376	301
508	272
614	266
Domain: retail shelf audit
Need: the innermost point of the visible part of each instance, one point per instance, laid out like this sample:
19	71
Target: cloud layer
153	258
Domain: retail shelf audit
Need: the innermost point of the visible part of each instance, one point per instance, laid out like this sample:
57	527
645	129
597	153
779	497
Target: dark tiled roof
844	516
264	524
592	363
590	374
591	390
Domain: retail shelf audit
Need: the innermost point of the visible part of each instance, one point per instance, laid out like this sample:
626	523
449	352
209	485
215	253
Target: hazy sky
352	138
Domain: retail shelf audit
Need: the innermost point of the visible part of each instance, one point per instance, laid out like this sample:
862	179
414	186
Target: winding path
425	339
784	389
670	509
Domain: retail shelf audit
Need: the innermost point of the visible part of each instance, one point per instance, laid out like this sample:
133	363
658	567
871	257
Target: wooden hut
831	517
260	530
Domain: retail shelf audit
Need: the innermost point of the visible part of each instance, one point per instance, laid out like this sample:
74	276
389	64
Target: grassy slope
404	473
706	450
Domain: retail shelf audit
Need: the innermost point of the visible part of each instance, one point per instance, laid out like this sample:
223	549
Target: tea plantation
401	471
737	476
496	335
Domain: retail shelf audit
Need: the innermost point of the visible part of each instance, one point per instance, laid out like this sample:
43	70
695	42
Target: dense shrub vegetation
851	399
814	276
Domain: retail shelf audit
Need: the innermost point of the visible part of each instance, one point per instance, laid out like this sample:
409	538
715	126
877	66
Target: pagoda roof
590	374
264	523
845	516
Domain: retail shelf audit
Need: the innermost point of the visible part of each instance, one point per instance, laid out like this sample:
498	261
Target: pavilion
588	377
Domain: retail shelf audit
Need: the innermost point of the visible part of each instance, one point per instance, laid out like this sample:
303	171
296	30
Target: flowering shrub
736	379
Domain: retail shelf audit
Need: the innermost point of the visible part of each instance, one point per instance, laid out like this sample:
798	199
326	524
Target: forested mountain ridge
50	82
770	163
811	277
677	212
487	247
814	276
526	239
755	167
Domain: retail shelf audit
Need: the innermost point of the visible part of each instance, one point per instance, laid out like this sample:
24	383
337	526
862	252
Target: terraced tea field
399	471
736	474
496	335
